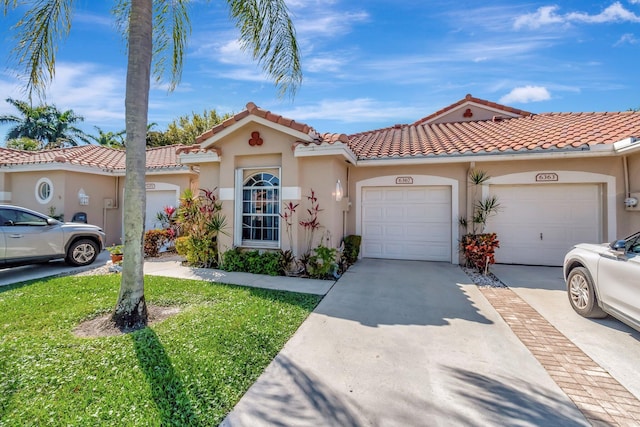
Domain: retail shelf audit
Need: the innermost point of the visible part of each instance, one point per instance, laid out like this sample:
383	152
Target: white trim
40	182
627	145
94	170
5	196
254	119
567	177
604	152
325	149
227	193
418	181
197	158
290	193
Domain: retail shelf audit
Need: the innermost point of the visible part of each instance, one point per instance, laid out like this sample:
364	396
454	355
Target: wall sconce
83	198
339	191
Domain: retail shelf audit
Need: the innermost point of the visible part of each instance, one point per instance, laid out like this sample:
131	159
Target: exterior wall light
339	191
83	198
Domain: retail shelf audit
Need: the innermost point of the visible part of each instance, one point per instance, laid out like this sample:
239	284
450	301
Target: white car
29	237
605	279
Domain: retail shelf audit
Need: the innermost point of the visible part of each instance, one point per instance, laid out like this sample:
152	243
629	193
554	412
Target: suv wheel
82	252
582	295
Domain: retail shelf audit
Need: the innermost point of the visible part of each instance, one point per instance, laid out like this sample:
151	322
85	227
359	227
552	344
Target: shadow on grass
166	387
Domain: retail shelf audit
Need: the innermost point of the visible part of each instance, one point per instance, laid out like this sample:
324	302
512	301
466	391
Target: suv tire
82	252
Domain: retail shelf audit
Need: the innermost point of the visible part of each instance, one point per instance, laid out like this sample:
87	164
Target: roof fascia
313	150
198	158
627	145
487	158
65	167
259	120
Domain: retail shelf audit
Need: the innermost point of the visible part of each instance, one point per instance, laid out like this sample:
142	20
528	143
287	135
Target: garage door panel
538	224
409	223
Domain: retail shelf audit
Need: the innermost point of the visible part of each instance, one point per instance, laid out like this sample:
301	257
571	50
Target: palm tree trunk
131	309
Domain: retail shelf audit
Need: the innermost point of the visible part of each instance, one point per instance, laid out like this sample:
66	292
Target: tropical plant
351	248
46	124
200	219
153	241
311	224
322	264
185	129
479	250
483	209
23	143
108	139
266	30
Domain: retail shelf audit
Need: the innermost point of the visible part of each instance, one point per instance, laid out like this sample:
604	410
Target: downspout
625	167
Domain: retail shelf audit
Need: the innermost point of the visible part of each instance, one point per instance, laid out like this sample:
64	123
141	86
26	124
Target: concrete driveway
405	343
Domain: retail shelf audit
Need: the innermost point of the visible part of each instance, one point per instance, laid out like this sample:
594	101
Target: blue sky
366	64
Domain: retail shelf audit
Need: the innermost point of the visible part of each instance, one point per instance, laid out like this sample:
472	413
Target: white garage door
411	223
538	224
156	201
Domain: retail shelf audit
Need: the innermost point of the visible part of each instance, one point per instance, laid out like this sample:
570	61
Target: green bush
351	248
233	260
256	262
182	245
322	263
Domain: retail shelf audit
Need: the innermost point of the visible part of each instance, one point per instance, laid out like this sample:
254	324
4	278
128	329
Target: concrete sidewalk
404	343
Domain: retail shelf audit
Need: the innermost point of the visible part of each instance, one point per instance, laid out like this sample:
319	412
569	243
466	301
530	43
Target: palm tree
46	124
159	27
108	139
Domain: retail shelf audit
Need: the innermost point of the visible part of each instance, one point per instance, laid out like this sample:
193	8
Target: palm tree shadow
167	389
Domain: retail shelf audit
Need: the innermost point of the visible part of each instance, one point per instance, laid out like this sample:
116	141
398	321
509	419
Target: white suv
29	237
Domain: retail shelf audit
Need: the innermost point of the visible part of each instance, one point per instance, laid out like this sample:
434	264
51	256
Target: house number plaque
404	180
546	177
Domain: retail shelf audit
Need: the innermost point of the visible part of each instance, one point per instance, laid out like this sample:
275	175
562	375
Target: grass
190	369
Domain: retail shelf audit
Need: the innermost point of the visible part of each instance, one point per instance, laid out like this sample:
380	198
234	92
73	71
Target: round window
44	190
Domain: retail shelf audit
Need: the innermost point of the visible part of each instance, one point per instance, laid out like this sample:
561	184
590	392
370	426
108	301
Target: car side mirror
619	245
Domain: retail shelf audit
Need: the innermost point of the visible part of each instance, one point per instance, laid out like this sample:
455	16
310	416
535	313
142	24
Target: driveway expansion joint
599	396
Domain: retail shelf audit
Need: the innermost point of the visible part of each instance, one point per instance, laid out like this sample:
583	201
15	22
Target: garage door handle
15	236
540	236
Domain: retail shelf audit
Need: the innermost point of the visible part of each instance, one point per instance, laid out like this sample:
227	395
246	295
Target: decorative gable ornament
255	139
468	113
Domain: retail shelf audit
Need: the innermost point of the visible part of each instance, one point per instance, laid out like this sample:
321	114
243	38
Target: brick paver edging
601	398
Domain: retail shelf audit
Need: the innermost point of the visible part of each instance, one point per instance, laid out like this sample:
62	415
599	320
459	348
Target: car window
632	244
11	217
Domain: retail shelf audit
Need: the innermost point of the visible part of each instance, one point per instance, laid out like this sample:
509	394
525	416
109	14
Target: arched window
44	190
261	210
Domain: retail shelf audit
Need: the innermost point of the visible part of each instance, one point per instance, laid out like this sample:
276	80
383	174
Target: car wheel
82	252
582	294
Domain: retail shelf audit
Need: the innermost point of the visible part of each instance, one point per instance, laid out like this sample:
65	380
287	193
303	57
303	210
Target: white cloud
627	38
547	15
353	111
526	94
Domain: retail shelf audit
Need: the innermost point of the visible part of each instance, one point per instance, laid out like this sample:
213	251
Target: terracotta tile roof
93	156
469	98
252	109
548	131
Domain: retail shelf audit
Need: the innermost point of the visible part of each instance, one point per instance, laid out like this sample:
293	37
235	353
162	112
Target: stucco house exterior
560	178
90	179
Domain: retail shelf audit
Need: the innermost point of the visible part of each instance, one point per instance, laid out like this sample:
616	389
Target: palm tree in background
47	125
156	32
108	139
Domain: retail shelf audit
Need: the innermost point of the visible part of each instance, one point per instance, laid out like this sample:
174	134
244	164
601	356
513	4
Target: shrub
153	241
322	263
233	260
479	249
182	245
351	248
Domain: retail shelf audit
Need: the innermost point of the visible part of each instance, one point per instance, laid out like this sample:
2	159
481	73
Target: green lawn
190	369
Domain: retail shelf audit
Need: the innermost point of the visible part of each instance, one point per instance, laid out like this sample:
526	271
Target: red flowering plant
167	219
311	224
479	250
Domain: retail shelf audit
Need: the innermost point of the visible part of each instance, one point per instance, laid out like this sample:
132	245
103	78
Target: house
89	180
560	178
